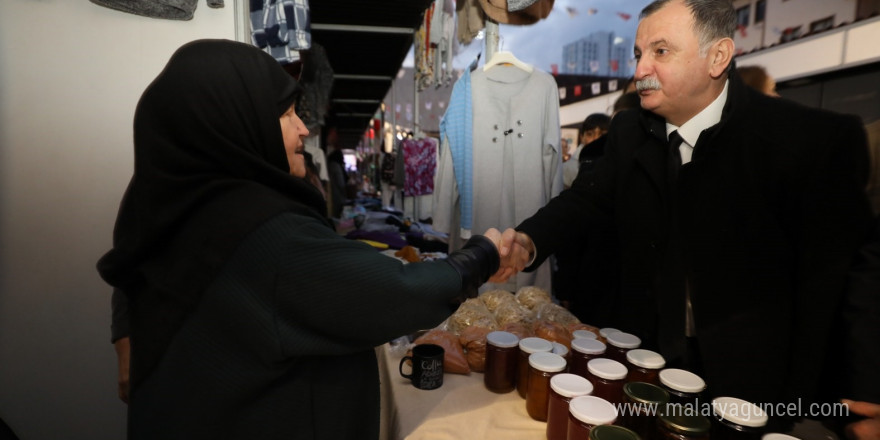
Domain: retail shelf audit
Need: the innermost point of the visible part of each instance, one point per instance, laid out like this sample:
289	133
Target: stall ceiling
366	43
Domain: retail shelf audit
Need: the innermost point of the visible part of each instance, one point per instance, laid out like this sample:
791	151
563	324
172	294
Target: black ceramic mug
427	366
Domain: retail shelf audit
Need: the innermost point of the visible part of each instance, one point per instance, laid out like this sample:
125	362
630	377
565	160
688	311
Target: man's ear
720	56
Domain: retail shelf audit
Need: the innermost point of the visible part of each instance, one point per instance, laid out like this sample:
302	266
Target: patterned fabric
457	127
281	28
420	161
169	9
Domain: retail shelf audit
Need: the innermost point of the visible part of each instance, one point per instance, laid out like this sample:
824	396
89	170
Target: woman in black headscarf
250	317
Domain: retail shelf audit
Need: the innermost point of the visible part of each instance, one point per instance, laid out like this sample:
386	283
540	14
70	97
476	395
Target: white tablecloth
461	409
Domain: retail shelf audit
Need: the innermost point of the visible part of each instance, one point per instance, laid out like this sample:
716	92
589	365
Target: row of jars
577	390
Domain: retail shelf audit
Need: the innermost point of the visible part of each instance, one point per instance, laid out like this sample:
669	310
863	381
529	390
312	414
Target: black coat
761	226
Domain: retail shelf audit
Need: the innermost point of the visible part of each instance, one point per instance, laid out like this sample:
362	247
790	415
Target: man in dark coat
734	263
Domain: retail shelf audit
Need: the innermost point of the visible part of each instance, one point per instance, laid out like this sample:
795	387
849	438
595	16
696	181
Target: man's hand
123	355
868	429
516	251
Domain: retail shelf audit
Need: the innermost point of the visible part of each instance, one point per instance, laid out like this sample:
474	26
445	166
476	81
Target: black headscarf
210	166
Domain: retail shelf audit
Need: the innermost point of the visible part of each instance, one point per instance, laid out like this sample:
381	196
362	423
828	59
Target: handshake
515	249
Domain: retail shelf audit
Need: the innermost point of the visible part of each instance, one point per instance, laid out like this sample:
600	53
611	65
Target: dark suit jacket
761	226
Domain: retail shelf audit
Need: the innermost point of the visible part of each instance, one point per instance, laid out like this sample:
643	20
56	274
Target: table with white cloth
461	409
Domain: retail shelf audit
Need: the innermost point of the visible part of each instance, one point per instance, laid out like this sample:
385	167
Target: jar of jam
586	413
528	346
682	427
644	366
684	387
605	331
644	401
501	351
561	350
583	334
619	343
607	377
582	351
542	367
563	388
778	436
613	432
736	419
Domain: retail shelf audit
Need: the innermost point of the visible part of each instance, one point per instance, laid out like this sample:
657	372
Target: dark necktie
674	155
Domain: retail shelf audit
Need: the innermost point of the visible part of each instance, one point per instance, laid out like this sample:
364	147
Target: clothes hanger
505	57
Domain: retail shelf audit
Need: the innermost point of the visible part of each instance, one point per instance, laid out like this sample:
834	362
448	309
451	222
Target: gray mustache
650	83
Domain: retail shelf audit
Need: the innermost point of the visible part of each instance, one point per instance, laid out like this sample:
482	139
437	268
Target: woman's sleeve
336	295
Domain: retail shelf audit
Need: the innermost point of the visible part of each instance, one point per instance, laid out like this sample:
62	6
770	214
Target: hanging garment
281	28
515	157
420	162
170	9
454	180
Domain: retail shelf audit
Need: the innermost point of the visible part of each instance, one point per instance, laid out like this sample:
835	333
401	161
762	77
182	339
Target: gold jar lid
642	392
685	424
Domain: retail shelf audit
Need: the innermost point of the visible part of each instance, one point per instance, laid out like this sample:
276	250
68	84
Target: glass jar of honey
528	346
671	426
607	377
563	388
542	367
613	432
644	366
644	401
501	357
586	413
684	387
585	334
619	343
582	351
736	419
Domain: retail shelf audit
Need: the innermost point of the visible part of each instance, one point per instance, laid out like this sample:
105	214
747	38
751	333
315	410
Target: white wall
70	75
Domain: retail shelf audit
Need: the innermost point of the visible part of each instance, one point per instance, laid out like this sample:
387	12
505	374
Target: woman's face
293	130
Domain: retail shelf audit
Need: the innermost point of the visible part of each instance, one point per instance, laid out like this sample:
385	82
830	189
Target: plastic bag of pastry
473	339
553	331
512	312
454	360
521	330
556	313
471	312
494	298
532	296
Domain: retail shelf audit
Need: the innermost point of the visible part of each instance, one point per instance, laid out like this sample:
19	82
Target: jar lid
612	432
570	385
606	369
642	392
624	340
686	424
682	380
778	436
502	339
559	349
592	410
535	345
548	362
604	332
645	358
739	412
583	334
588	346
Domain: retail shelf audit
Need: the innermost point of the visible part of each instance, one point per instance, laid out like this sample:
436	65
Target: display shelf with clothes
500	158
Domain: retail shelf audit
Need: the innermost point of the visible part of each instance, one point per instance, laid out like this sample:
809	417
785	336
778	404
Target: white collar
709	116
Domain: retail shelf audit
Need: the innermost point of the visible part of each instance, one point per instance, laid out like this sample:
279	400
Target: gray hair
713	19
